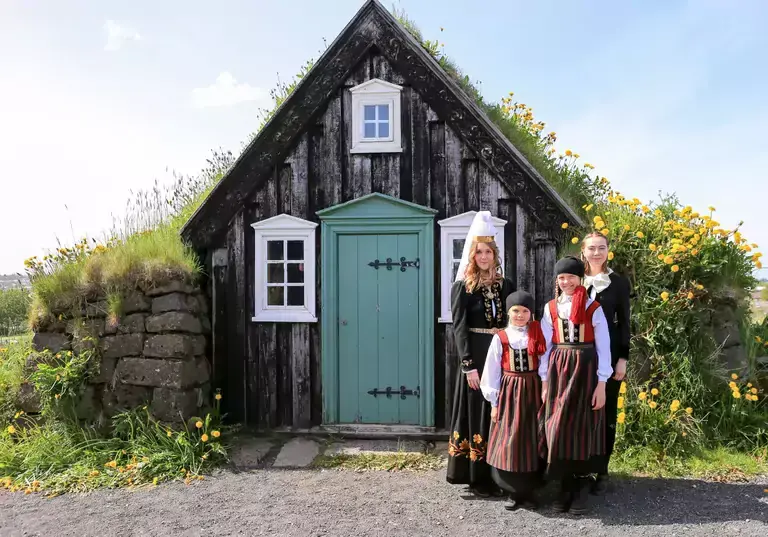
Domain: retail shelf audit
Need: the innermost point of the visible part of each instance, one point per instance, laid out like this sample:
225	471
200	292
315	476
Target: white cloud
117	35
226	91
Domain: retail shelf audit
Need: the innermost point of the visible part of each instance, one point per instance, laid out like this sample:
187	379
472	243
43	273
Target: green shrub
14	308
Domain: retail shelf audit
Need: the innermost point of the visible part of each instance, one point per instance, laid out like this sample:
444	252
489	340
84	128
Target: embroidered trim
492	294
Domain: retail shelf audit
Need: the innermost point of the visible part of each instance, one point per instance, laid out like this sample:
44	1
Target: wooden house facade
332	242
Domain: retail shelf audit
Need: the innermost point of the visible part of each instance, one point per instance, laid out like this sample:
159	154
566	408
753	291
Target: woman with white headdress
478	296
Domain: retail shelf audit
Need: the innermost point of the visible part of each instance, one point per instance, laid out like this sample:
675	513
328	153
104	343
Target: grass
716	464
55	457
382	461
13	355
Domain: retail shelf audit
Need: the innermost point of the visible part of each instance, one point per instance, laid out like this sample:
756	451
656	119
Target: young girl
575	368
510	383
613	292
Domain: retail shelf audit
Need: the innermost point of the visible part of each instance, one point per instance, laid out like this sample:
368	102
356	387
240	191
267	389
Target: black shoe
580	503
480	491
511	504
530	503
600	485
563	501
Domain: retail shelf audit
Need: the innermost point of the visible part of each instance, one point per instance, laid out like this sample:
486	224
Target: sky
100	98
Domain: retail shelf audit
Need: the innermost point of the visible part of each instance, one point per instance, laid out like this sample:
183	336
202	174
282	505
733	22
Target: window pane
275	273
296	295
295	272
275	250
458	248
369	112
276	296
384	130
454	271
296	250
383	111
369	130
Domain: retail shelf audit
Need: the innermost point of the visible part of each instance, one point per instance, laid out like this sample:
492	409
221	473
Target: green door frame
376	214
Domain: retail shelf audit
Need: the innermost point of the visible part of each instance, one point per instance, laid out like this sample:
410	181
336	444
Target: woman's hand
544	392
473	379
598	398
494	414
621	369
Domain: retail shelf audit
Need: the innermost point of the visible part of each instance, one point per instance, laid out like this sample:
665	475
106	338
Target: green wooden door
378	333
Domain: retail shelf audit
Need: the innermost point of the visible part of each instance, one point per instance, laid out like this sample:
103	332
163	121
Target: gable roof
374	26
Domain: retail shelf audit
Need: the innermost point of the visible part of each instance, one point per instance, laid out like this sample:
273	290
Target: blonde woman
478	296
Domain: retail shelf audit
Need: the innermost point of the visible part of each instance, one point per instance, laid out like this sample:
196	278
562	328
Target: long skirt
574	434
514	438
470	424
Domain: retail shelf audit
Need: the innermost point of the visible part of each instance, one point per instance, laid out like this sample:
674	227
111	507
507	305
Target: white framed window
376	117
284	286
453	233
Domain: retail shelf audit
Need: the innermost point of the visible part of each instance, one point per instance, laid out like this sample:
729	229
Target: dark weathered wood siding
273	369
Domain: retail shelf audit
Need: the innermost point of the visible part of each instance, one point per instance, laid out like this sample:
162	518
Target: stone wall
154	353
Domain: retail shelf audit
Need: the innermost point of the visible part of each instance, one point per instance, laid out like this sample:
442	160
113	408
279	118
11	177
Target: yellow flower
623	387
568	152
11	429
642	396
675	268
675	405
621	417
652	247
734	376
564	225
589	207
665	296
604	231
626	227
712	209
575	240
669	260
620	402
204	438
610	256
639	235
218	397
689	411
732	385
749	384
216	434
199	424
169	433
653	404
736	394
654	391
690	295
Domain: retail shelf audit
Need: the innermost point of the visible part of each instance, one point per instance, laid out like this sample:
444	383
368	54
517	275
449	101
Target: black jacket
615	302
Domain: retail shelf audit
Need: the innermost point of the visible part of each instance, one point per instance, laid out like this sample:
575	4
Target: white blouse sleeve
491	379
546	329
602	345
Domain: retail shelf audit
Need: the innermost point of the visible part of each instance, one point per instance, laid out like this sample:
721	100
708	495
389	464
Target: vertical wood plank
421	151
284	361
299	187
508	212
490	191
385	173
325	168
406	157
437	168
283	182
451	365
382	69
300	376
236	363
220	329
471	177
455	193
525	256
265	339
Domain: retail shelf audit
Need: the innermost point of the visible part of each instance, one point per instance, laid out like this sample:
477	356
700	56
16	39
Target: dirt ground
342	502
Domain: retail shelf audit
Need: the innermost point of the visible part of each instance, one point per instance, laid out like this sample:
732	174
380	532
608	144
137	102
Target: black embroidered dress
475	315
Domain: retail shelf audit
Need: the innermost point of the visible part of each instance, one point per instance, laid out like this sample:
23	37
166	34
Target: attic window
453	232
284	285
376	117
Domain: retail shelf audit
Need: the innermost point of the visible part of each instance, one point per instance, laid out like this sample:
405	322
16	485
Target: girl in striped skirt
575	368
511	384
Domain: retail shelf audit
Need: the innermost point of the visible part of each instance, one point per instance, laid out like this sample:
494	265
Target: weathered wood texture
276	366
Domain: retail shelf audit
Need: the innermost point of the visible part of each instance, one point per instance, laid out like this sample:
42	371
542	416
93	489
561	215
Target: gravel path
340	503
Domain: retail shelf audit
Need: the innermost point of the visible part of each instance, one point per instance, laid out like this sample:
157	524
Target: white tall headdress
481	229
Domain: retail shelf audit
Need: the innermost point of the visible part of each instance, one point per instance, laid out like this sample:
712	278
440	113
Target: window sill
284	317
373	147
445	320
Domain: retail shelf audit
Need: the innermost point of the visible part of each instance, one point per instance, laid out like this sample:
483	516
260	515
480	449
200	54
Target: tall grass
14	309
